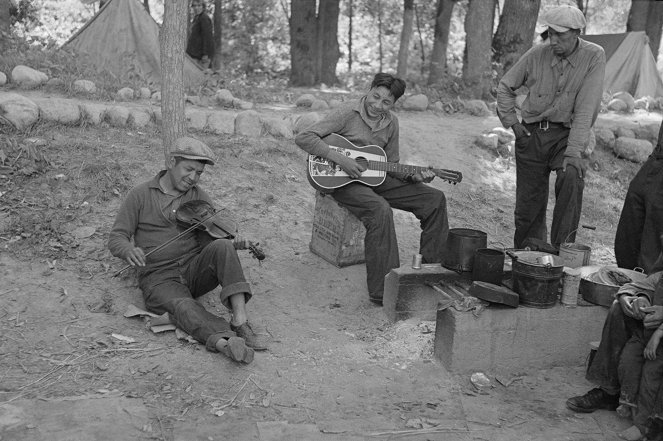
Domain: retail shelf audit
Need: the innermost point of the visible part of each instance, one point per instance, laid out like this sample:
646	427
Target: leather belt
545	125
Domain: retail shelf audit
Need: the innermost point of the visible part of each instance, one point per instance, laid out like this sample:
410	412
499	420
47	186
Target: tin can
416	261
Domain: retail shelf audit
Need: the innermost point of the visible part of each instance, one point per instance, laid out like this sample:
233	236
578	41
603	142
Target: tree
172	46
5	18
647	15
218	40
406	33
438	62
478	36
146	3
515	31
637	16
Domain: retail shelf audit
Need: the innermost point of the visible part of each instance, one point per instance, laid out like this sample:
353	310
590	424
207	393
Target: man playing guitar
370	121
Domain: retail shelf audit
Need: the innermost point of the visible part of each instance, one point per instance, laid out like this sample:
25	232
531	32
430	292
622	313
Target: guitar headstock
451	176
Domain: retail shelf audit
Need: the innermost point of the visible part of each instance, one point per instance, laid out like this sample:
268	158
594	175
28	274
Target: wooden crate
338	236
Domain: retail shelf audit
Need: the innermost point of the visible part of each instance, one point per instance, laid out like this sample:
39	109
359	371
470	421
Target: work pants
536	156
637	240
650	395
631	362
175	289
373	207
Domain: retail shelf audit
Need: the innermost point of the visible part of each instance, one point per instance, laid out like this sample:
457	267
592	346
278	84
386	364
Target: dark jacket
201	41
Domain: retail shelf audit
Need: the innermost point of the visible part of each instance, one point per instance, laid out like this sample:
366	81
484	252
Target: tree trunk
5	19
218	40
654	26
438	61
172	44
146	3
478	36
380	52
302	42
637	16
406	33
515	31
350	14
328	37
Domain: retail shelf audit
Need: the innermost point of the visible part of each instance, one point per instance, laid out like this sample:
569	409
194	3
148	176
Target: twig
64	334
235	397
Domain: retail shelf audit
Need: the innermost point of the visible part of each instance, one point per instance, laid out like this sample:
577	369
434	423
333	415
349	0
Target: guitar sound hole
362	161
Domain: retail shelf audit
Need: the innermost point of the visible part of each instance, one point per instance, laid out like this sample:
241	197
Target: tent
630	66
123	37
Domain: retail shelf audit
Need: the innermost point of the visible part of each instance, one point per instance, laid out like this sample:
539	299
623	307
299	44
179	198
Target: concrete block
407	295
513	340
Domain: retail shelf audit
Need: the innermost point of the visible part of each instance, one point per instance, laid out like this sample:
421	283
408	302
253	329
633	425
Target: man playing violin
173	277
370	121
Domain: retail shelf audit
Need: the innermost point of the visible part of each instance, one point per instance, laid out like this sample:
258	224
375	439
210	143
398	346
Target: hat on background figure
190	148
562	18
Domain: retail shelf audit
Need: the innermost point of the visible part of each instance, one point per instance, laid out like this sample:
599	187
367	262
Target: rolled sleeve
644	287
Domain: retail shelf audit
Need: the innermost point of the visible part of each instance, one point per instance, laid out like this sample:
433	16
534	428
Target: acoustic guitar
326	175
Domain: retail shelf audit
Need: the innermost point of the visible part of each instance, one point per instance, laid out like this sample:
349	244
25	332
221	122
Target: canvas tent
630	66
123	37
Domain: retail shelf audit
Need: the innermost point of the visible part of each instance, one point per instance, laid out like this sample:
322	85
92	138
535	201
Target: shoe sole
238	351
575	408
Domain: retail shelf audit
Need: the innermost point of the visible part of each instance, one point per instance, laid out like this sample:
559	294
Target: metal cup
416	261
546	260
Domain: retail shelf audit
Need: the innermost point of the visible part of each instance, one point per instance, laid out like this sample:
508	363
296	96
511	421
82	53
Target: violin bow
169	241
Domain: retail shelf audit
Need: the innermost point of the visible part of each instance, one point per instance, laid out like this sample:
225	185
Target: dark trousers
174	290
632	360
373	206
637	240
536	156
650	395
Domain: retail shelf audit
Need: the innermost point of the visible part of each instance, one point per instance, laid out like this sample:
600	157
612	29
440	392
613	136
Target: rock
158	118
635	150
334	103
627	98
3	79
117	116
304	121
193	99
125	94
55	83
84	86
221	122
504	136
617	105
476	108
624	132
647	131
156	96
27	78
224	98
196	119
417	102
93	113
242	105
642	103
488	141
591	144
247	123
438	106
18	110
59	110
278	127
144	93
305	100
605	138
139	118
319	105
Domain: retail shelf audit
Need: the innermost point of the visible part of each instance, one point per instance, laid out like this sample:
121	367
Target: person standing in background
201	40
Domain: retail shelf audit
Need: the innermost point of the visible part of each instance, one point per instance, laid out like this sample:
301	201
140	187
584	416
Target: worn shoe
253	340
237	350
593	400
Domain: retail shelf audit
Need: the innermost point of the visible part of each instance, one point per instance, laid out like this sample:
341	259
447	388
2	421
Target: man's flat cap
562	18
190	148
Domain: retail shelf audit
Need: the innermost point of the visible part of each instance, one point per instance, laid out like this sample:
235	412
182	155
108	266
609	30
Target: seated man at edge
370	121
172	278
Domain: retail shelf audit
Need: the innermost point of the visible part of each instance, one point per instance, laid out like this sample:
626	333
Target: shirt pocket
540	102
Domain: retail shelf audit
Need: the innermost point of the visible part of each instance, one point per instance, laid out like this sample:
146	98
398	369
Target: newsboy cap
562	18
190	148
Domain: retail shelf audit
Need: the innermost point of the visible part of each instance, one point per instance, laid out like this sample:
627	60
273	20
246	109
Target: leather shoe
593	400
253	340
236	350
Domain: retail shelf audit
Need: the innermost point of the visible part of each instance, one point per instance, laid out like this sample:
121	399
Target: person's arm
652	344
506	92
636	295
120	237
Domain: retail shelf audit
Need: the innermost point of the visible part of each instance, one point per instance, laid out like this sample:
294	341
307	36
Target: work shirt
147	216
650	287
560	90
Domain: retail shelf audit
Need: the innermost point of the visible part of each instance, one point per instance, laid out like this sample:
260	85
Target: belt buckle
544	125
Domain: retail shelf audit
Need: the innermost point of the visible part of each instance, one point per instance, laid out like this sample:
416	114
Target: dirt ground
72	367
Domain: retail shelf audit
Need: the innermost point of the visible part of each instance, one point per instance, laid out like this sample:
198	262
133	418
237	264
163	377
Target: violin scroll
253	247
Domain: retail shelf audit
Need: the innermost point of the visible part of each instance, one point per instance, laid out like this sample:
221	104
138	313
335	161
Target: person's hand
626	303
653	316
652	345
638	304
520	130
578	163
349	165
135	257
425	176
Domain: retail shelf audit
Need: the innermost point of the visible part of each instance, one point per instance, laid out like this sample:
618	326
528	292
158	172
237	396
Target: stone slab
504	339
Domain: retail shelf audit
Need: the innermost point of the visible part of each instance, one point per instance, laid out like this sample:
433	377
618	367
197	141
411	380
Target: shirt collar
374	125
154	182
573	58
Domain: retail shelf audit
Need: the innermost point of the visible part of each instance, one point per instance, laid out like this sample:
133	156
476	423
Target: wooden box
338	236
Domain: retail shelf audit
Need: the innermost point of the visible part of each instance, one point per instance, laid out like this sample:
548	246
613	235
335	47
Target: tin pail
488	266
536	285
574	255
462	243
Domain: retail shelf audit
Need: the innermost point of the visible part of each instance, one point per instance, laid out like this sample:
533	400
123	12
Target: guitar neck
405	168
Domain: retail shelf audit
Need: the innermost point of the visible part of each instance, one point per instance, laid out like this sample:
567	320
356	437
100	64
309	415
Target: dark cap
190	148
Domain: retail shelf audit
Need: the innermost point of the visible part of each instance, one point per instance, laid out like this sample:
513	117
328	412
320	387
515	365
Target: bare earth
336	369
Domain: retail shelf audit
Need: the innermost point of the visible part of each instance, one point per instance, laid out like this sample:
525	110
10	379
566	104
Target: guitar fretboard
405	168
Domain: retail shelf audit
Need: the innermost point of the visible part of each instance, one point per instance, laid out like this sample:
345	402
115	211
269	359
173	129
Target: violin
210	226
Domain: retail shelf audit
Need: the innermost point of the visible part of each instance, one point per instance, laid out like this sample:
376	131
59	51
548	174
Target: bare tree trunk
146	3
380	33
515	31
421	40
655	26
478	36
350	14
302	42
328	37
171	42
438	61
637	16
5	19
218	40
406	33
581	5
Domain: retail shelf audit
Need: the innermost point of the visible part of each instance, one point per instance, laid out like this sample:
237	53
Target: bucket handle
589	227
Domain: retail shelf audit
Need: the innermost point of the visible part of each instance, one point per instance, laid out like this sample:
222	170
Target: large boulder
476	108
304	121
248	123
125	94
59	110
18	110
504	136
139	118
93	113
605	138
84	86
305	100
635	150
224	98
144	93
627	98
117	116
617	105
278	127
196	119
488	141
221	122
417	102
624	132
27	78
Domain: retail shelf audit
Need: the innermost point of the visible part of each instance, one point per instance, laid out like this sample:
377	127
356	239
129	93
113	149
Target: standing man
564	78
370	121
201	41
172	278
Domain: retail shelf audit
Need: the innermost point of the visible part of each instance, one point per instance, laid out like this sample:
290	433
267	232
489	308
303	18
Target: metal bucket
462	243
574	255
488	266
537	285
